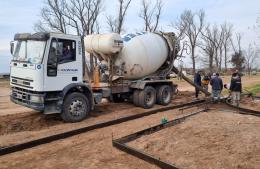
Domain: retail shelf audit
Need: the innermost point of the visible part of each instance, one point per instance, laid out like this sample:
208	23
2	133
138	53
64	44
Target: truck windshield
29	51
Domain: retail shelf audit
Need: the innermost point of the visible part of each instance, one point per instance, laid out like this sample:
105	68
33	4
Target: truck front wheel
164	95
147	97
75	108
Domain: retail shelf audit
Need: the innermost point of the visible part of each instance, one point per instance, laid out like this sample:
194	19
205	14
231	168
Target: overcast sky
20	15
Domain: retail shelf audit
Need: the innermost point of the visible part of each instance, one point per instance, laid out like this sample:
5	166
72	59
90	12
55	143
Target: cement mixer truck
48	70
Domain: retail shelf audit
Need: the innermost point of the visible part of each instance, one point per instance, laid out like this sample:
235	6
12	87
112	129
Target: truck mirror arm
12	47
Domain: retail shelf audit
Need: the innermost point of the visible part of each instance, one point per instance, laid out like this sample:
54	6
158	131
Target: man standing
197	81
217	86
205	81
235	88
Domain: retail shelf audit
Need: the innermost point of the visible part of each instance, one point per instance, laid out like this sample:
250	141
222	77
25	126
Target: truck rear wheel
136	98
164	95
147	97
75	108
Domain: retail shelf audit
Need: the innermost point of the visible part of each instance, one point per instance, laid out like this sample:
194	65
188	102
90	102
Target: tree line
216	46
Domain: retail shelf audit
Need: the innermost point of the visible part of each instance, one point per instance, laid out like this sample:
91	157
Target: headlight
36	99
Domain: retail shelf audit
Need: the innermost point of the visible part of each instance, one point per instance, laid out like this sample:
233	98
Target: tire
76	107
147	97
164	95
136	98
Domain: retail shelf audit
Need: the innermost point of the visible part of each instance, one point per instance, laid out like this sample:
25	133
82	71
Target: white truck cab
44	69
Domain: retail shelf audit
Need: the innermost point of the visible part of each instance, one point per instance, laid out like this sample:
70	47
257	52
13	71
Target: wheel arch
81	88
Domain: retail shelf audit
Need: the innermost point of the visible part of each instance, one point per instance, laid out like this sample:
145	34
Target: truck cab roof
41	36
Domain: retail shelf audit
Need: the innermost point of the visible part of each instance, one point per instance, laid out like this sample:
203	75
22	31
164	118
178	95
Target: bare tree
218	46
195	23
208	45
79	16
116	24
227	34
151	14
75	16
52	18
112	23
215	41
237	47
251	55
179	29
82	15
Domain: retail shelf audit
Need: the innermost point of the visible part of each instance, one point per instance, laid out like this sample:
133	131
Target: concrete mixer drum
142	55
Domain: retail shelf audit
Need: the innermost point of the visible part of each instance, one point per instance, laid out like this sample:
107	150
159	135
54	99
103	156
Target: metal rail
48	139
244	111
121	142
195	105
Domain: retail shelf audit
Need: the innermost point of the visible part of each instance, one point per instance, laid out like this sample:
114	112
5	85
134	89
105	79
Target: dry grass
4	82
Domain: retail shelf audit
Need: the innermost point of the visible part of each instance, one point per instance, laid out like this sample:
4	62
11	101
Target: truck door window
66	51
61	51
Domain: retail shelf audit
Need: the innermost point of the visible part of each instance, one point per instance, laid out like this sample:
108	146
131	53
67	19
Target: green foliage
254	89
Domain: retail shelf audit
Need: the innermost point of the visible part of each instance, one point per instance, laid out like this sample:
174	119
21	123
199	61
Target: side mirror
12	45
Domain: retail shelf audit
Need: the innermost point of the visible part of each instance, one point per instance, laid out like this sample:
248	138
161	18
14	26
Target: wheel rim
149	97
77	108
166	95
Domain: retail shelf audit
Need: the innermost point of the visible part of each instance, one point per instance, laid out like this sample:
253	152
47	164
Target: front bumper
23	97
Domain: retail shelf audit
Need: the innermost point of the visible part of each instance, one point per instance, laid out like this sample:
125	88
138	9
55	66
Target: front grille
23	95
21	82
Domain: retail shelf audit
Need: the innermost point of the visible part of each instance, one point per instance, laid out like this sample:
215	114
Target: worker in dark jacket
217	86
197	81
235	88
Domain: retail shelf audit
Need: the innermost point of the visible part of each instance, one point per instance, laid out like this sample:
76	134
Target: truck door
63	64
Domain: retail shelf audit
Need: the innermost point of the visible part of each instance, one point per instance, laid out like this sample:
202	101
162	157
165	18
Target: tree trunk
225	59
220	59
216	58
193	59
211	63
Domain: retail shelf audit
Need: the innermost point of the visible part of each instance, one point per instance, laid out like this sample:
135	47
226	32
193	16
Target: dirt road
17	128
213	139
